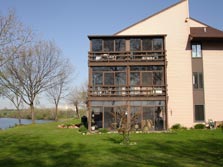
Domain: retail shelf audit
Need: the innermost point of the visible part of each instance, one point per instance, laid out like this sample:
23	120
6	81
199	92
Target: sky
69	22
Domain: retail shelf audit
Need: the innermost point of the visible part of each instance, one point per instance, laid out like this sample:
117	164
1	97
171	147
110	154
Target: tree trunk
19	117
18	114
77	111
56	111
32	113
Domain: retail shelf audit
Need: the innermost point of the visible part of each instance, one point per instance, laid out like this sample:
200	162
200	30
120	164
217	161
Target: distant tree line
41	113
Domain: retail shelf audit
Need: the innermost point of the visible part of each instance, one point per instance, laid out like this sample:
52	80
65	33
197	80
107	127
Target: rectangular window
135	44
109	118
149	116
96	45
158	79
108	45
196	51
136	116
109	78
120	45
199	113
198	80
97	79
135	78
120	78
147	79
158	44
146	44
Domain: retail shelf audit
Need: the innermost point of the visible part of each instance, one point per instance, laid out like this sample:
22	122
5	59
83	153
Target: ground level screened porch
140	115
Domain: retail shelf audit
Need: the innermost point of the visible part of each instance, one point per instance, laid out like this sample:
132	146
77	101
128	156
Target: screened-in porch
141	115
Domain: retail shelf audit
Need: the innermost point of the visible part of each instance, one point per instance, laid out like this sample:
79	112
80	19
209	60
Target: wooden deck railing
126	91
126	56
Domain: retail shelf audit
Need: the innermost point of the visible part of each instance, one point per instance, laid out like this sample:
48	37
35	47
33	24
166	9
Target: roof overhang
124	36
205	34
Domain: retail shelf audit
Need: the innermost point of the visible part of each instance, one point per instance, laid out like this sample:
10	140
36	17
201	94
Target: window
109	78
97	78
146	44
109	75
109	117
196	50
120	78
108	45
158	44
199	113
147	75
96	45
120	45
158	79
147	79
135	44
136	116
198	80
135	78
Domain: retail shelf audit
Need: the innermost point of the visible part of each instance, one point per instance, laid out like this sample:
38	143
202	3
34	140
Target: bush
176	126
199	126
67	124
103	130
82	129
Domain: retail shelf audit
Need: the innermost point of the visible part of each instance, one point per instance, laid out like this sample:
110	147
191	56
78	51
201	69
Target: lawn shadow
29	152
195	152
115	140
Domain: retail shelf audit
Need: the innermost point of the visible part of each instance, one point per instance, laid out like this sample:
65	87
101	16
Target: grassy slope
46	145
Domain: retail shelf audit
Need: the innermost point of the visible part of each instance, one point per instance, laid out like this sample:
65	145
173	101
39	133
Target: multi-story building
163	70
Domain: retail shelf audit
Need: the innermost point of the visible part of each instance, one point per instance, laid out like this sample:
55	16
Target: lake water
10	122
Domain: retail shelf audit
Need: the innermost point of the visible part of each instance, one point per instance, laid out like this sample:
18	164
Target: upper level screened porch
126	49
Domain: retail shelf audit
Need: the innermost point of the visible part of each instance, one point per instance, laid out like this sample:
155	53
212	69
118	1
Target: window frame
199	78
197	110
98	43
109	70
146	70
120	45
108	45
135	44
195	56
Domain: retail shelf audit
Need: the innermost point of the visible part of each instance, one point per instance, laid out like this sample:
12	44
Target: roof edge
204	24
125	36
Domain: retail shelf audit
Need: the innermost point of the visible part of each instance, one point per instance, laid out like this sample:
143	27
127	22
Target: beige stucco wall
194	23
213	79
179	71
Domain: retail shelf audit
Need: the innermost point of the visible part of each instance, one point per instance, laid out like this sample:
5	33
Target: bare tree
13	37
125	124
35	70
15	99
58	91
77	97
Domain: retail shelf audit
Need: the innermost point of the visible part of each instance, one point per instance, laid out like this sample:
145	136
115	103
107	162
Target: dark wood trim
154	98
166	125
124	36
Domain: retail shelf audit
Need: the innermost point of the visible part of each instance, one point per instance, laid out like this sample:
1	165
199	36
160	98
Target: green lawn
46	145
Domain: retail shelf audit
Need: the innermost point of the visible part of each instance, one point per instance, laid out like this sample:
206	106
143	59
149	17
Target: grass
46	145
